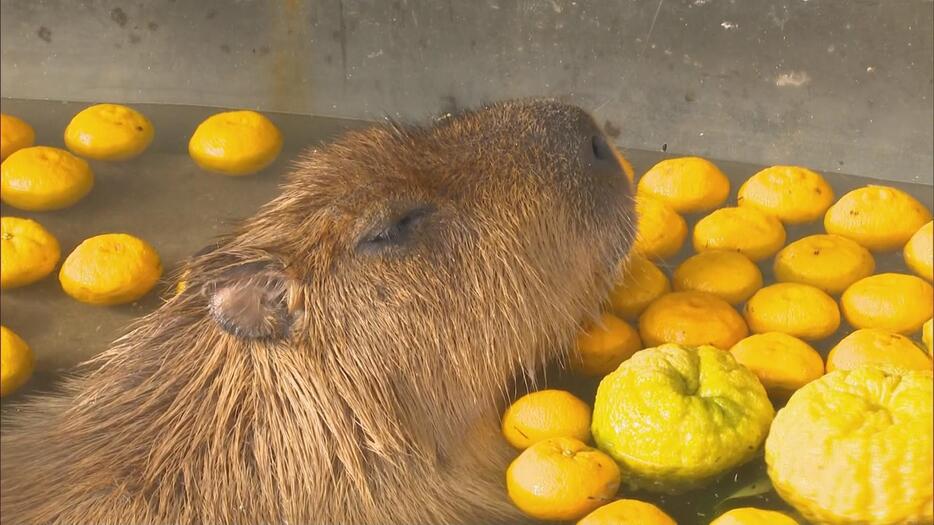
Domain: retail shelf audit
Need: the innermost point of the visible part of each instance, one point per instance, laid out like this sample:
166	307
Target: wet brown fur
380	404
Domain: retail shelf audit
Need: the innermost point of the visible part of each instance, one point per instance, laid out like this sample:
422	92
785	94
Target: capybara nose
598	157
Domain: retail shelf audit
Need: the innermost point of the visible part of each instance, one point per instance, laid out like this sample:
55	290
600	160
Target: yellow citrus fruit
16	361
730	276
894	301
927	336
783	363
546	414
109	269
875	346
181	285
746	230
561	479
919	252
793	194
753	516
109	132
29	252
829	262
692	319
880	218
602	346
40	178
856	447
15	134
235	143
627	512
674	417
687	184
795	309
661	230
642	283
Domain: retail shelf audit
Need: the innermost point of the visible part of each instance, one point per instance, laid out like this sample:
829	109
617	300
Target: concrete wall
835	85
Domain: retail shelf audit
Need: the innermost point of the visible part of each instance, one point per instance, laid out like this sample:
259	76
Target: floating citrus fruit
793	194
730	276
752	516
692	319
602	346
829	262
235	143
15	134
746	230
109	132
687	184
796	309
856	447
40	178
880	218
876	346
109	269
627	512
28	252
894	301
675	417
545	414
16	362
561	479
661	230
642	282
919	252
783	363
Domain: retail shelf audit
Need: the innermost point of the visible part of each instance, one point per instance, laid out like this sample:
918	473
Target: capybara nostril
601	150
598	158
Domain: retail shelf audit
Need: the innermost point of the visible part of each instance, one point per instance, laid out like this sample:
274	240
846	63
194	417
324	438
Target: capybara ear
251	301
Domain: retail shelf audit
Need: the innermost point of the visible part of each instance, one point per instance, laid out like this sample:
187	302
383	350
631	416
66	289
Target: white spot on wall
792	79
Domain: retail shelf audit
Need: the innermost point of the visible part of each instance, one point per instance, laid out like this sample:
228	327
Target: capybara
345	355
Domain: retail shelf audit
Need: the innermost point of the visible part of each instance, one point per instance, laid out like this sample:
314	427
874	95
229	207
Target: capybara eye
395	231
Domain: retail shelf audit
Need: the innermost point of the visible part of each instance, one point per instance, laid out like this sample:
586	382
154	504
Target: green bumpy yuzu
856	447
674	417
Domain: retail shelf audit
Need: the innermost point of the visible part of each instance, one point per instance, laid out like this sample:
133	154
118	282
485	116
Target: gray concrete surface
836	85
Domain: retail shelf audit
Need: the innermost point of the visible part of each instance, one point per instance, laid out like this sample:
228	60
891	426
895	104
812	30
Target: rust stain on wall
291	59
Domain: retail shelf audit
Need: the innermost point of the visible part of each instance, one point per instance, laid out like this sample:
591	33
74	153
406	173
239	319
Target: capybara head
465	251
335	351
